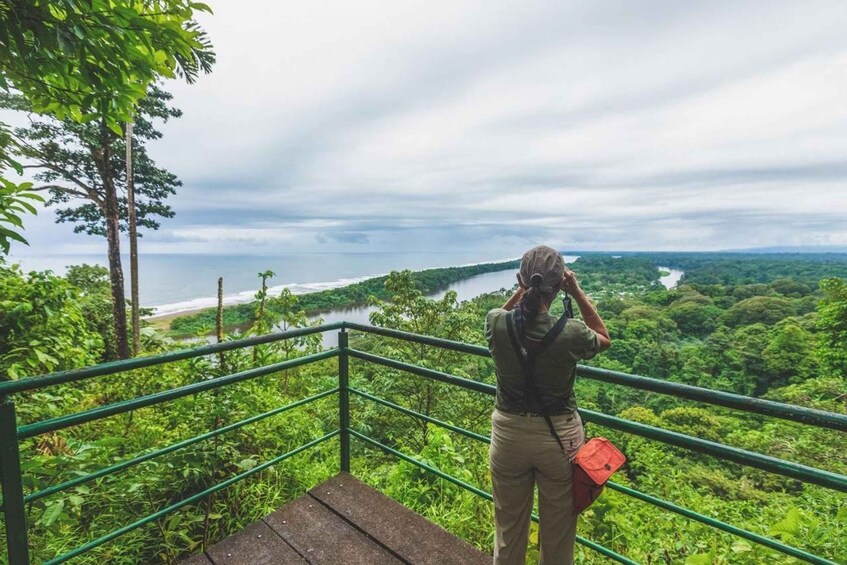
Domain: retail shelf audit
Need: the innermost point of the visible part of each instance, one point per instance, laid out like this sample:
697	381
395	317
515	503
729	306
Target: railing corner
344	398
11	480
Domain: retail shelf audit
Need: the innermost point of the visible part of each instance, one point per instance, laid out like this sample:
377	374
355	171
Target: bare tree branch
59	187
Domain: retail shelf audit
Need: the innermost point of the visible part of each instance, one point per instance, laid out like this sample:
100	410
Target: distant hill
811	249
793	249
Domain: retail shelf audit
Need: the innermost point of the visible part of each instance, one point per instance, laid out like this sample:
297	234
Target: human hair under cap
542	267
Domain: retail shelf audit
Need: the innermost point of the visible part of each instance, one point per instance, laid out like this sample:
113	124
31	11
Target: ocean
179	283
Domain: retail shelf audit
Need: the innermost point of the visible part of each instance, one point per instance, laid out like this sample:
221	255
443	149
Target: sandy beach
163	321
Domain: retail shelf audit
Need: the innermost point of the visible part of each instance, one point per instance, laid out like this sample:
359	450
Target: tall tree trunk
260	317
133	245
116	274
102	158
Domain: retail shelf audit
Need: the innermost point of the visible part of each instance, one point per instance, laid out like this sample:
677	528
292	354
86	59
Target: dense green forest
746	268
768	327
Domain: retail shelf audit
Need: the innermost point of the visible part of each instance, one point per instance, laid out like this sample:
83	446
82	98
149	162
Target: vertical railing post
344	399
10	477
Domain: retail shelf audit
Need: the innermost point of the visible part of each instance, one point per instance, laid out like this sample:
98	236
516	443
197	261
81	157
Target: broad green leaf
247	464
57	12
788	526
115	126
741	546
52	512
12	235
201	6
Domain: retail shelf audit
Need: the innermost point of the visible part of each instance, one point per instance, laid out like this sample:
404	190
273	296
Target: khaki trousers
523	453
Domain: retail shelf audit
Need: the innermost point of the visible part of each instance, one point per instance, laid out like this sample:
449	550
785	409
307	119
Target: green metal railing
15	500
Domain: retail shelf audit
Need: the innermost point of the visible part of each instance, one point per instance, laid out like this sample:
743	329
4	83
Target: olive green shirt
555	366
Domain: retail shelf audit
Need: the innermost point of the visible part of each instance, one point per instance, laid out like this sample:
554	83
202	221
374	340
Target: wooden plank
412	537
257	544
323	537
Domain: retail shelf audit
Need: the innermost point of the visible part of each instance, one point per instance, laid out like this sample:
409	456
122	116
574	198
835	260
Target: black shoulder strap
520	352
554	332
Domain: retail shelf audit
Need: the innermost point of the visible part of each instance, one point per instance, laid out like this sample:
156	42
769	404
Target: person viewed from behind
524	450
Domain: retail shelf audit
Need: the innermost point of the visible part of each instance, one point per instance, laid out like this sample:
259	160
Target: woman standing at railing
524	449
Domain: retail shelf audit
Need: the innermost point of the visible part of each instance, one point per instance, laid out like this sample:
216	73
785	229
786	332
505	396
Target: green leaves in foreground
42	325
15	201
95	59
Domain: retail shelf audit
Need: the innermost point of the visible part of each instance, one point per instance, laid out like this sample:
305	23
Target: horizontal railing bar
764	462
424	339
431	420
773	544
601	549
811	416
171	448
164	396
111	367
424	372
193	498
798	414
729	528
721	451
481	493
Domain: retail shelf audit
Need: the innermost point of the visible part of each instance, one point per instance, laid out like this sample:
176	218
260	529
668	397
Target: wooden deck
341	521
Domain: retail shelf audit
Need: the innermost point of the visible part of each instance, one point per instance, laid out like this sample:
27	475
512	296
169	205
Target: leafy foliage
15	202
750	268
832	320
42	325
61	153
96	59
95	301
652	329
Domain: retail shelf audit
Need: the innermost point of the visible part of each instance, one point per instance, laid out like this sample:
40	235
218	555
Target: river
465	289
672	278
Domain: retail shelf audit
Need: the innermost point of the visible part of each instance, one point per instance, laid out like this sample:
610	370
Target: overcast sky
493	126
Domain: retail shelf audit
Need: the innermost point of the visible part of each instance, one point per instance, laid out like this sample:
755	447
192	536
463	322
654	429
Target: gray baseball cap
546	262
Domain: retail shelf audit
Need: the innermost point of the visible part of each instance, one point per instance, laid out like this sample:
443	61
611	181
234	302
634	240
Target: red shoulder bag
594	463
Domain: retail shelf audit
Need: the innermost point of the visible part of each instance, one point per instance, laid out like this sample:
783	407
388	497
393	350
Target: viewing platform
341	520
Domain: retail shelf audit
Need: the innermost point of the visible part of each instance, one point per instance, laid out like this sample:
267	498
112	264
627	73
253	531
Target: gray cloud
358	238
468	125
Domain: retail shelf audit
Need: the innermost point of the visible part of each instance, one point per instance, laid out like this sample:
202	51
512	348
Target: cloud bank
425	126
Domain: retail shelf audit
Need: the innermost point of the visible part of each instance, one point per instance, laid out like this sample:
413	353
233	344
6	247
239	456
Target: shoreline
196	305
163	321
320	297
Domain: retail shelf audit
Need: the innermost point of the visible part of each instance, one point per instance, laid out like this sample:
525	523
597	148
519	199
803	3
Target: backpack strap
554	332
526	358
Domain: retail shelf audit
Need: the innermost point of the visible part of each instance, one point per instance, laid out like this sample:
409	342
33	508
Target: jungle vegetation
780	337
